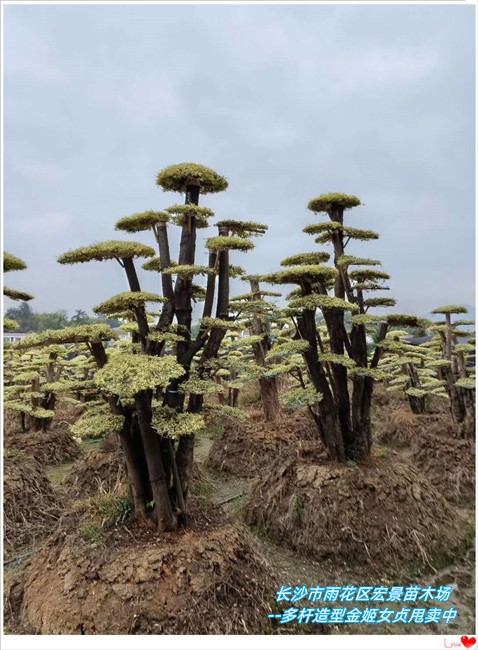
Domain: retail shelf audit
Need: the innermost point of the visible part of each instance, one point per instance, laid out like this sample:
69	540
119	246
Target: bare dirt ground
289	567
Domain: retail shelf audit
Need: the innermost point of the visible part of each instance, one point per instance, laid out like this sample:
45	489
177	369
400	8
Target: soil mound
246	448
51	447
401	427
449	464
101	469
206	579
30	506
386	514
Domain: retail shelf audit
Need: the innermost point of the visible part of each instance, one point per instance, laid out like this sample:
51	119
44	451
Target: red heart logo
468	641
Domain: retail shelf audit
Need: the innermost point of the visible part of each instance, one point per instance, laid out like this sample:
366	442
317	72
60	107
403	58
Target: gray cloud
286	101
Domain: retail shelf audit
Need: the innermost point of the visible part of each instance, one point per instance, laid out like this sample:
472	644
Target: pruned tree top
406	320
327	202
190	210
126	300
141	221
350	260
127	374
176	178
188	270
218	323
16	295
243	228
368	274
306	258
467	382
351	233
322	302
450	309
379	302
12	263
154	264
236	271
366	319
222	242
77	334
297	274
10	325
325	226
108	250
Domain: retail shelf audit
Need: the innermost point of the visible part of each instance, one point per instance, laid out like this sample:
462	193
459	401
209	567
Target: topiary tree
343	416
455	369
261	317
156	384
38	370
12	263
413	369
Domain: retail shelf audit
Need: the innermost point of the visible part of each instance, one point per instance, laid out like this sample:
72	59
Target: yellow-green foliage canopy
108	250
379	302
77	334
351	233
12	263
406	320
176	178
350	260
243	228
229	243
171	423
332	200
306	258
236	271
97	425
218	323
450	309
368	274
126	300
190	210
128	374
296	274
141	221
325	226
322	302
188	270
154	264
9	324
467	382
16	295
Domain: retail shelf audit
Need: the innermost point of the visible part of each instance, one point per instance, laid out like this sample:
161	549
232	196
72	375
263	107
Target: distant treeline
31	321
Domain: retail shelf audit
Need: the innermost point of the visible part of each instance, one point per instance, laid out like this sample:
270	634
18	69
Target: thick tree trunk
165	520
269	398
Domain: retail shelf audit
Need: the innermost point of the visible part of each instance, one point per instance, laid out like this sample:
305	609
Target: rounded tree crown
306	258
222	243
126	300
109	250
332	200
176	178
77	334
141	221
450	309
12	263
243	228
297	274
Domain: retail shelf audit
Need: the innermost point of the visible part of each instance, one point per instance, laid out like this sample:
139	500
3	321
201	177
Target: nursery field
298	458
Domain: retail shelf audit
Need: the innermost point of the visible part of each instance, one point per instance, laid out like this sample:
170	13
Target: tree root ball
30	506
449	464
400	427
51	447
206	579
247	448
386	514
100	469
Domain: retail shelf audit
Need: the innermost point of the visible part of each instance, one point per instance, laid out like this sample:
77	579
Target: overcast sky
287	102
